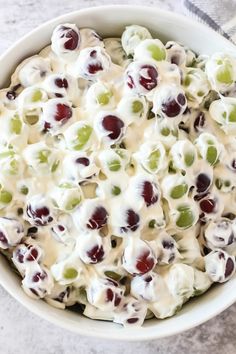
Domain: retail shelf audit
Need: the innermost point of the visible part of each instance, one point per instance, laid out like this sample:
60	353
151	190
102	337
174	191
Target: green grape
224	115
219	183
115	190
171	168
200	93
20	211
152	224
232	115
104	98
43	156
175	133
224	74
186	217
70	273
179	191
153	160
112	275
137	107
211	155
157	53
31	119
5	196
15	125
37	96
83	135
24	190
55	166
114	165
72	203
6	154
120	153
165	131
227	183
187	80
189	159
13	167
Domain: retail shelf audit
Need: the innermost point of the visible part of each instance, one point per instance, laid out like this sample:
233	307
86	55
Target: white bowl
110	21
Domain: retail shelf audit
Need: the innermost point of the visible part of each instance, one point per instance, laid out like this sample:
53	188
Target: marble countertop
22	332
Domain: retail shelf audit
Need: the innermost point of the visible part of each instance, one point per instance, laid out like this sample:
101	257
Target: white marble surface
22	332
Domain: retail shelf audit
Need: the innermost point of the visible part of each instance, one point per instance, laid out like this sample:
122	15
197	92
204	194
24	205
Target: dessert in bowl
117	182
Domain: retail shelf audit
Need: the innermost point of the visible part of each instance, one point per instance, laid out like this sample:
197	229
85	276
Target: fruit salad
118	173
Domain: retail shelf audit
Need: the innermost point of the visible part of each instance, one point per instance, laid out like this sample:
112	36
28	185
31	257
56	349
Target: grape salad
118	173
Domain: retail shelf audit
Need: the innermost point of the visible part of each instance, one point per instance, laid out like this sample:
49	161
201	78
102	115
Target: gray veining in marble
22	332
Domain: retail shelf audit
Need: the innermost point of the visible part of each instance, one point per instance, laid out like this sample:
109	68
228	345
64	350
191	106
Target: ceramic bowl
110	21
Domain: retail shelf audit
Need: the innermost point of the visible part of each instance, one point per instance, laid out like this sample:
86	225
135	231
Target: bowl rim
121	334
88	10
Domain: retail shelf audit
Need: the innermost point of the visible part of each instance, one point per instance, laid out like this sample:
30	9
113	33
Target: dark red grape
229	268
39	276
132	320
98	218
93	62
109	295
39	216
148	279
114	125
19	255
207	205
149	80
142	77
130	82
199	122
3	238
63	295
132	220
61	228
233	164
117	300
73	38
181	99
82	161
61	83
168	244
63	113
32	255
47	126
149	194
221	255
96	254
203	182
94	68
173	107
11	95
145	262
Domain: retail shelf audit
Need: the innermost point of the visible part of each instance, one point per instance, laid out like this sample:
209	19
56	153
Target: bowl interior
110	21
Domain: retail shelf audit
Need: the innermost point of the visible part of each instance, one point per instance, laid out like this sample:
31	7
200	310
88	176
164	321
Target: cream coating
118	173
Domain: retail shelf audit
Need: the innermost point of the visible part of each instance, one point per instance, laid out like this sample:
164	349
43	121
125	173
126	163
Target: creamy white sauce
100	196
